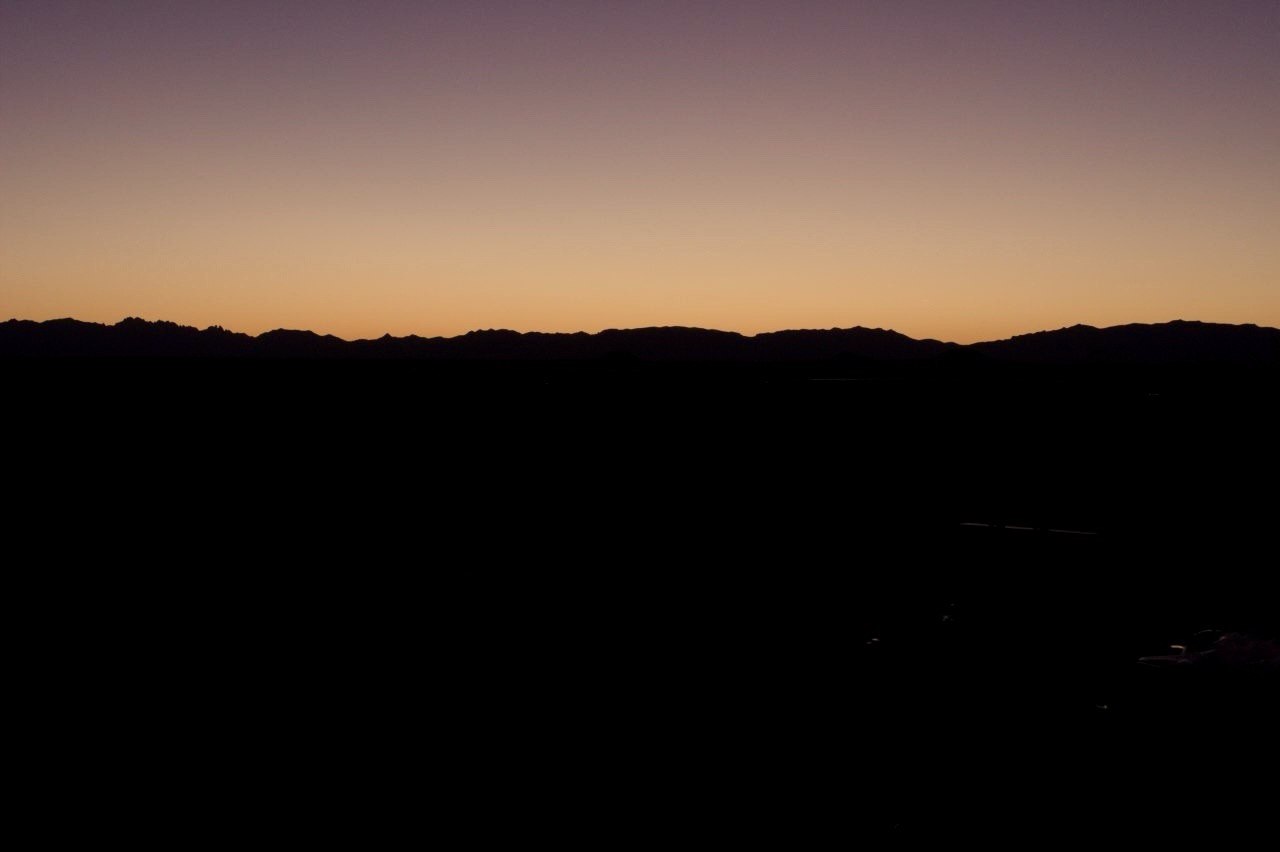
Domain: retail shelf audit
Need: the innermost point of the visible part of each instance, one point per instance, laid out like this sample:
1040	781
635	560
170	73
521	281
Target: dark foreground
599	601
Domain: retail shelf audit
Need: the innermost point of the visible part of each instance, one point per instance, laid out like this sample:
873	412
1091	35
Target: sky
958	169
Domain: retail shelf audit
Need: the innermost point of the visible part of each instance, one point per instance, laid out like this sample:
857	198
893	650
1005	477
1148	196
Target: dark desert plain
654	422
900	592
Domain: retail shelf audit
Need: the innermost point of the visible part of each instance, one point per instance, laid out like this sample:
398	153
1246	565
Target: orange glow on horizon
435	171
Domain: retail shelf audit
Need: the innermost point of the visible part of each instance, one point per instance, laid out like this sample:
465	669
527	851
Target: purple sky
954	169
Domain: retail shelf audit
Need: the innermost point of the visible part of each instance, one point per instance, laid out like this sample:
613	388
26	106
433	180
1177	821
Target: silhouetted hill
283	343
872	343
1177	342
1173	343
130	337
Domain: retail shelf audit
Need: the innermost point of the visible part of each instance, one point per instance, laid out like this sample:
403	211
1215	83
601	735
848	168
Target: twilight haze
960	169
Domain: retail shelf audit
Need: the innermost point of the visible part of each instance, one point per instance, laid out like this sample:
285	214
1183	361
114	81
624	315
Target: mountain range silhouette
1173	343
900	556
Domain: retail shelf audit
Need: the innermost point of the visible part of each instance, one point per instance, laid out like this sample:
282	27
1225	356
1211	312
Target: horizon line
744	335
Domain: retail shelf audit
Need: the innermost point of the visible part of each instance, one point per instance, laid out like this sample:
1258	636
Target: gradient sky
962	169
